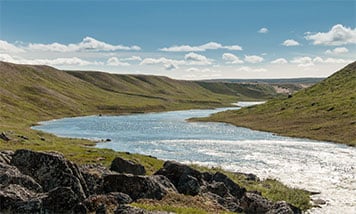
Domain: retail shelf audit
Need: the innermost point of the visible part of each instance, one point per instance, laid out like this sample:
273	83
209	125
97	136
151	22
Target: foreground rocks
42	182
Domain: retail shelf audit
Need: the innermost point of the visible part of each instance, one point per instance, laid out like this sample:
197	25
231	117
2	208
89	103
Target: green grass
270	188
29	94
325	111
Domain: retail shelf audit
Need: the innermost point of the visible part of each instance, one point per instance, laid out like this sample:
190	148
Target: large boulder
282	207
137	186
17	199
113	199
126	166
93	176
60	200
255	204
11	175
50	170
234	189
186	179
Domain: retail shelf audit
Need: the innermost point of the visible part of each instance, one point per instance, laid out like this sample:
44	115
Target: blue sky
182	39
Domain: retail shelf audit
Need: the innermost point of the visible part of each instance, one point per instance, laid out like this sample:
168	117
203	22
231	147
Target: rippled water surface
316	166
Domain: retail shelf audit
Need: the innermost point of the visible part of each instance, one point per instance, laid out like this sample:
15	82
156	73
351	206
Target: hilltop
325	111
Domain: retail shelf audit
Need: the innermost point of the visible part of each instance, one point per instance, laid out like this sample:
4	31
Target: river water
313	165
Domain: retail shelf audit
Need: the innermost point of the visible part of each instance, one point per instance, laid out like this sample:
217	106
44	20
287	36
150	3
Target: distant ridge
325	111
307	80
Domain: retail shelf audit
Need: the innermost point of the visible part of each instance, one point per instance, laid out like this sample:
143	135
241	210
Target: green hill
325	111
32	93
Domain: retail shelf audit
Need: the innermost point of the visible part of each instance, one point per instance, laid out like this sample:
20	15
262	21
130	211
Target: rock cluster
42	182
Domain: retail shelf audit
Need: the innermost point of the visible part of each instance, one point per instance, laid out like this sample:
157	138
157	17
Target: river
317	166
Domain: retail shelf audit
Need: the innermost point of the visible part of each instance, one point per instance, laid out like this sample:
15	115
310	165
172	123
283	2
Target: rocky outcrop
126	166
136	186
50	170
42	182
186	179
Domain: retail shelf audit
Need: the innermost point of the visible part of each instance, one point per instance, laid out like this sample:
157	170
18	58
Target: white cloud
339	50
87	44
318	59
197	59
338	35
192	70
231	58
263	30
9	48
249	69
7	58
132	58
114	61
51	62
169	64
279	61
303	61
290	42
337	61
253	59
204	47
308	61
60	61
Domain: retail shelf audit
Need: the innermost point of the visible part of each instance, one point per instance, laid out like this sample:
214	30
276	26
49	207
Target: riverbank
325	111
64	187
32	94
81	151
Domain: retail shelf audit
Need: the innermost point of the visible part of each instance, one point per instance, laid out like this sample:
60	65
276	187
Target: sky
201	39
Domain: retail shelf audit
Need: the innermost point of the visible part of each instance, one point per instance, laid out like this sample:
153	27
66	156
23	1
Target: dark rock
101	209
136	186
125	209
319	201
186	179
94	202
218	188
23	137
4	137
188	185
15	198
233	188
93	176
11	175
207	176
126	166
255	204
50	170
229	203
80	209
248	176
107	140
282	207
43	139
61	200
120	198
6	156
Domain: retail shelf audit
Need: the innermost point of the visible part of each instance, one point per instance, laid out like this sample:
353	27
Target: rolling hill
325	111
30	93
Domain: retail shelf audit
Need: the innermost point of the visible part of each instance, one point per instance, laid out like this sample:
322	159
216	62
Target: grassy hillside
29	94
244	91
32	93
325	111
